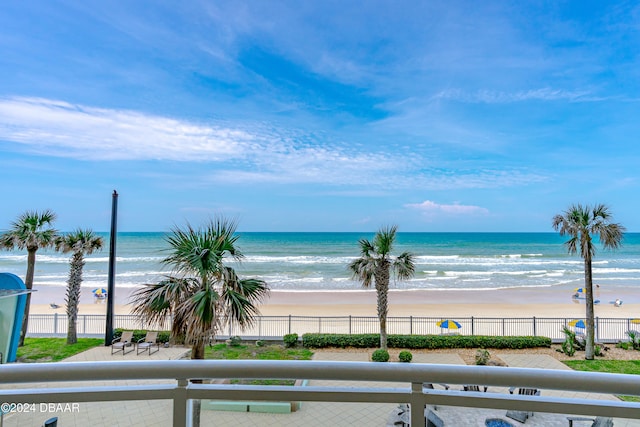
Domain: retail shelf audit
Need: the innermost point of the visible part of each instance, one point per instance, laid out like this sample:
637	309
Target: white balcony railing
175	385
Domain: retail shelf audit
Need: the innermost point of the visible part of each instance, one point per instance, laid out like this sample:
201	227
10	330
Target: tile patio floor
158	413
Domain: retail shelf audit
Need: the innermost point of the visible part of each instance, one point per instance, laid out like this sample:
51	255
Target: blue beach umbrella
449	324
100	292
580	290
578	323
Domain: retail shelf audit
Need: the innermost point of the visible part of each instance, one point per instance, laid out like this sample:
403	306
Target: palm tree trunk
382	290
588	285
197	353
73	296
28	281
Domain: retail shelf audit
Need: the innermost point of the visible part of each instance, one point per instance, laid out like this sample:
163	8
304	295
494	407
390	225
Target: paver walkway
311	414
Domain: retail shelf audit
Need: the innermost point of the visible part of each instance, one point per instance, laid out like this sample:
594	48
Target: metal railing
175	385
607	329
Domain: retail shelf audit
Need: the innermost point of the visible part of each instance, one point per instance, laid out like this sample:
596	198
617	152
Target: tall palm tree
581	223
79	243
375	265
31	231
202	293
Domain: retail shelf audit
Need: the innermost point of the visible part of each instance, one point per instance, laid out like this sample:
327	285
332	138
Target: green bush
423	341
290	340
634	336
163	336
482	357
624	345
380	355
235	341
260	343
405	356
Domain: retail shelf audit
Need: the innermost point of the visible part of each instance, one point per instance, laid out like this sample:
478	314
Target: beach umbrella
100	292
580	290
578	323
449	324
635	320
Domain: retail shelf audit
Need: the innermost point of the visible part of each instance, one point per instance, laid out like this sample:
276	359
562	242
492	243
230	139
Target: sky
319	115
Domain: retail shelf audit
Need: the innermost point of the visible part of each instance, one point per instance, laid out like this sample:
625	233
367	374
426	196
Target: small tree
31	231
79	243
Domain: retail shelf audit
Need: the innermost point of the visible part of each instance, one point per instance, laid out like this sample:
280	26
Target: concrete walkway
159	413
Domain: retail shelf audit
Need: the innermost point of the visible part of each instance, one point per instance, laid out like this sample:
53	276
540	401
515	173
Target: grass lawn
253	352
610	366
53	349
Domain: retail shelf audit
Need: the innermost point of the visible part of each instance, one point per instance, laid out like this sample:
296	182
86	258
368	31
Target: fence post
319	325
534	326
55	323
349	324
597	329
503	326
84	324
473	326
410	325
289	324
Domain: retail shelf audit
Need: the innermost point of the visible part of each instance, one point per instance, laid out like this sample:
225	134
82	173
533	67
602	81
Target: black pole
108	333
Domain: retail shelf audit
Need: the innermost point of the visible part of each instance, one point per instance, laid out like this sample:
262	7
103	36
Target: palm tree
31	231
202	293
581	223
375	265
79	243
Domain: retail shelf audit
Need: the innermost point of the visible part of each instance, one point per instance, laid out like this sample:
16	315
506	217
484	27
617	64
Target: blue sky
319	115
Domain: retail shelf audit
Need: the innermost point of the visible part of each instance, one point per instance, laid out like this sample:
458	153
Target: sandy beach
527	302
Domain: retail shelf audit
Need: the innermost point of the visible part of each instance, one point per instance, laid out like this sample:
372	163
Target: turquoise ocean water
318	261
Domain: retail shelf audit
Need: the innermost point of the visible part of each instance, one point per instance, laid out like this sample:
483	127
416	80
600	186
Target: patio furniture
433	420
526	391
595	422
473	387
148	343
520	416
122	342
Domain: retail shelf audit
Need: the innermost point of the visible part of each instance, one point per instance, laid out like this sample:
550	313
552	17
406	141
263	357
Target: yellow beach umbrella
635	320
449	324
578	323
580	290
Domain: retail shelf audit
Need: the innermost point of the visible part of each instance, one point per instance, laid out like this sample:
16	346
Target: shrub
163	336
235	341
423	341
290	340
380	355
260	343
624	345
482	357
405	356
634	336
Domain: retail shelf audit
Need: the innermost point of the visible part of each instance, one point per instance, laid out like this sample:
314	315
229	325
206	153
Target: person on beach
617	303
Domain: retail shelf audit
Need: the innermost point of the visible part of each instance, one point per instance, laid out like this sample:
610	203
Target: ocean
318	261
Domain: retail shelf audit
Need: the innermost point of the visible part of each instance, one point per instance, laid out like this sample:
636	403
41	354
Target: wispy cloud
431	208
496	97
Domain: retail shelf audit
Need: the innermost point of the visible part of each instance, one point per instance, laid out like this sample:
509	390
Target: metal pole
108	333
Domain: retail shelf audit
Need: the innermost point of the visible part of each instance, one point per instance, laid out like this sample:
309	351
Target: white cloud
497	97
430	208
66	130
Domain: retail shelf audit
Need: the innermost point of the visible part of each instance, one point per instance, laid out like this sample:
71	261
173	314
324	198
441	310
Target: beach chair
122	342
525	391
472	387
148	343
595	422
433	420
